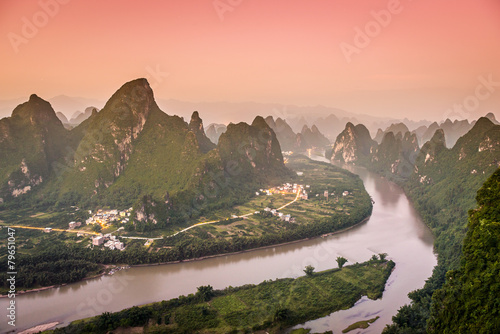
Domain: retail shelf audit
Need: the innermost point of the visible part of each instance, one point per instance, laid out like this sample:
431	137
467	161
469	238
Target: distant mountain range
214	131
397	146
131	153
290	141
330	121
452	130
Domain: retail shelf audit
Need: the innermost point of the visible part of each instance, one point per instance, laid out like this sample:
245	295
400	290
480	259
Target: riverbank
270	305
252	249
109	267
346	205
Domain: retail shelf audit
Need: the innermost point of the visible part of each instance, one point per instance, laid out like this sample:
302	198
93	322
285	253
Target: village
108	241
103	218
286	188
106	217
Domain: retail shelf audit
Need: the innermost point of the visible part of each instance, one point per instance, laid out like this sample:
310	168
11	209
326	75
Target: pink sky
429	55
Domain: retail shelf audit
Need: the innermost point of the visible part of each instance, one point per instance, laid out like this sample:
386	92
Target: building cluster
109	241
286	188
105	217
280	215
326	194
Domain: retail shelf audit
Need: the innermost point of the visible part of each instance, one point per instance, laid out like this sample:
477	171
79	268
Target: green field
319	177
268	307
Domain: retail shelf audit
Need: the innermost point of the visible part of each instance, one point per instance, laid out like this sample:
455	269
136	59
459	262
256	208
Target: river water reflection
394	228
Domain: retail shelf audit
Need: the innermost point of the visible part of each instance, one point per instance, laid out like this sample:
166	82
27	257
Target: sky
418	59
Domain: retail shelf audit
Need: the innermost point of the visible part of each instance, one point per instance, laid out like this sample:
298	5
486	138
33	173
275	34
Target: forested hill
131	153
443	187
469	301
442	184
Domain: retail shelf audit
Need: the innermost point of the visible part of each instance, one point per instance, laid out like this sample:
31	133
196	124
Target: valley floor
322	199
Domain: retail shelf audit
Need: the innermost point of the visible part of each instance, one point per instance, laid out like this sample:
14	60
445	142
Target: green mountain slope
109	142
468	302
443	188
196	126
353	145
395	154
252	151
444	184
441	182
133	154
30	141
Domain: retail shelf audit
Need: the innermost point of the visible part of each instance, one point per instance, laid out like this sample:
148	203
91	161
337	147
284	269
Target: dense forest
469	300
445	212
462	294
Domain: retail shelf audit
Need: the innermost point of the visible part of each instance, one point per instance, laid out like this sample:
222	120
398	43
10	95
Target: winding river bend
394	228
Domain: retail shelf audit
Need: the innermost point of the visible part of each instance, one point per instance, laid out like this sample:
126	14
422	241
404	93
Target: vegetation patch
360	324
270	305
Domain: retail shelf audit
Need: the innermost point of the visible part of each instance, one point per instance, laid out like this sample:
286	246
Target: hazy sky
390	58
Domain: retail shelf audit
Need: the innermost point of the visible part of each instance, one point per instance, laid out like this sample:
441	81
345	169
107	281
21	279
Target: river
394	228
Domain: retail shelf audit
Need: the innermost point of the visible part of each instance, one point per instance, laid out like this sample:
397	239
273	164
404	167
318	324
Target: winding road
299	191
52	229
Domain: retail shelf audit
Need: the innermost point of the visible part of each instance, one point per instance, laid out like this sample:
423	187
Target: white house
97	241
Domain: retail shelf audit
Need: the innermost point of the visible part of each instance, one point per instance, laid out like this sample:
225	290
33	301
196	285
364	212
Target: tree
282	313
309	270
96	228
205	292
382	256
341	261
